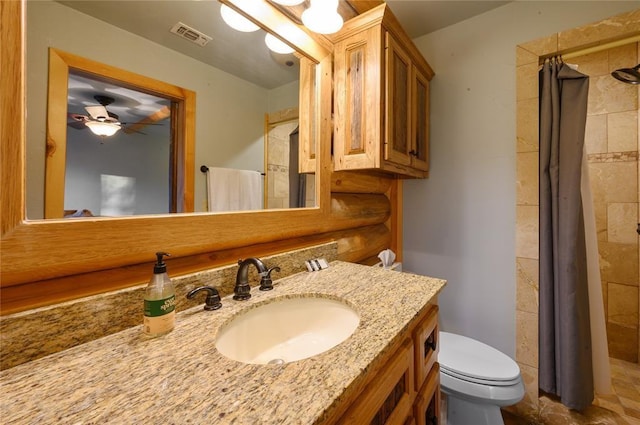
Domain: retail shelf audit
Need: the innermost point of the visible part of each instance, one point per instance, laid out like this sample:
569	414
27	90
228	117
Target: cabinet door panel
358	106
420	128
425	340
398	117
388	399
308	108
427	404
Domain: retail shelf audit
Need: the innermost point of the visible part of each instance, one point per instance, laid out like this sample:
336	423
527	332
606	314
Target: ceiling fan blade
158	115
78	125
97	112
78	117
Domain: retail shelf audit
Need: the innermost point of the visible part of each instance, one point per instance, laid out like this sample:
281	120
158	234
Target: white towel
229	189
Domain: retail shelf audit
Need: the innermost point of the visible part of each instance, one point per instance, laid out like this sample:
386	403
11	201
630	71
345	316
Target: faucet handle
212	302
266	284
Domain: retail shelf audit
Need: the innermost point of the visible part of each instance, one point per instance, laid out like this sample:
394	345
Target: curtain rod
600	47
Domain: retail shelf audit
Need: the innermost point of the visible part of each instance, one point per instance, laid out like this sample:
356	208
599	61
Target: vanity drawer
425	341
388	398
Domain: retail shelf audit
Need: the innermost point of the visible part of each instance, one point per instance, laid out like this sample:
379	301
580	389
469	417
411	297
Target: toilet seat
496	382
473	361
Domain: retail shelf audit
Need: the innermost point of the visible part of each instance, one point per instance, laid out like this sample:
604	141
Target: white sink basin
286	330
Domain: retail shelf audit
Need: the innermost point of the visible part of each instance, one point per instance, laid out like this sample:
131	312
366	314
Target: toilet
477	380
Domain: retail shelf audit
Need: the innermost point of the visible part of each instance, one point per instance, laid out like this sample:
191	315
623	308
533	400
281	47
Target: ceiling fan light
323	17
288	2
276	45
105	129
236	20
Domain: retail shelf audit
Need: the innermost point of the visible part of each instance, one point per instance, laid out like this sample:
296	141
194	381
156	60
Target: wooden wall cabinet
308	104
406	389
381	92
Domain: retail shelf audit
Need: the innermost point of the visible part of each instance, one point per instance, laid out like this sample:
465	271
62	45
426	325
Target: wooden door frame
182	127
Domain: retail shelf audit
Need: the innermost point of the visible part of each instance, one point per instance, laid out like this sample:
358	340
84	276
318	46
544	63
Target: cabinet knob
413	152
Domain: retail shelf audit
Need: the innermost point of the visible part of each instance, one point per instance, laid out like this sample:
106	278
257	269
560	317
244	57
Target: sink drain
276	361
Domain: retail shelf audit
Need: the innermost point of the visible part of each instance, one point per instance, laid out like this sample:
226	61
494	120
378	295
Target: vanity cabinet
381	108
406	390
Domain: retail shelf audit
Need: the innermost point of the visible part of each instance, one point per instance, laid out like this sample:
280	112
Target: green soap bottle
159	301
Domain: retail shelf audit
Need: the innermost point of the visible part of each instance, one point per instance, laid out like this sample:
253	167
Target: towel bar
204	169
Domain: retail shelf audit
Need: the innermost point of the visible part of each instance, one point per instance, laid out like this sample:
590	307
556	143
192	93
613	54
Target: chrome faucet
242	290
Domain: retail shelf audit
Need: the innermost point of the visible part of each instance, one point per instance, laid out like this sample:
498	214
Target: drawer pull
430	343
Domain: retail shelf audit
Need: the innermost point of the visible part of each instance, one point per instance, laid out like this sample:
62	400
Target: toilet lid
469	359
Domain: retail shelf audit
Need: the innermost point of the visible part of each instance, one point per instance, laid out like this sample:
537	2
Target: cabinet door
387	400
427	404
420	119
398	103
358	103
307	119
425	341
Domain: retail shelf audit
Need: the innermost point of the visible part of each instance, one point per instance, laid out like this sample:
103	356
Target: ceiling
420	17
152	20
130	106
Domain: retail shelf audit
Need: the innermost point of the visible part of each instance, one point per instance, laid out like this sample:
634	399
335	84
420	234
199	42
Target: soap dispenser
159	301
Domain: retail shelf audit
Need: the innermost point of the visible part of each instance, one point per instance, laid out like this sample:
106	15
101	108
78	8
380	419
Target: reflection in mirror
288	186
77	85
235	77
126	169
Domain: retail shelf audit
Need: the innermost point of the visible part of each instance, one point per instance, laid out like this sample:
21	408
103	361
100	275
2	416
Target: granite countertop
181	378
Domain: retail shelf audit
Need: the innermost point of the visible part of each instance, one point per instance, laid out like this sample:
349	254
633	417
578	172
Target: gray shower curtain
297	180
565	367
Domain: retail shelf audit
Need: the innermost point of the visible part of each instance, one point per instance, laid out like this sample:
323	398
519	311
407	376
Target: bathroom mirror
235	77
45	260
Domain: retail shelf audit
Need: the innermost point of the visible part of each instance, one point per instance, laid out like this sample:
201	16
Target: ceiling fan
106	123
100	121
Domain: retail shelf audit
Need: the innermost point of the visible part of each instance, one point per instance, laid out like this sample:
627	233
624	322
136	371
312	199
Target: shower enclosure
612	151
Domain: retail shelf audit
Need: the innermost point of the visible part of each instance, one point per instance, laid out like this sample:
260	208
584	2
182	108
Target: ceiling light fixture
236	20
103	128
323	17
276	45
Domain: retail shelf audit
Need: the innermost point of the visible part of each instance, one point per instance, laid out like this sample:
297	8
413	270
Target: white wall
284	97
142	158
460	223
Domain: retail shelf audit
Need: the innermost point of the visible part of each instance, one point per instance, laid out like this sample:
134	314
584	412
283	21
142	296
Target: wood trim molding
361	6
12	106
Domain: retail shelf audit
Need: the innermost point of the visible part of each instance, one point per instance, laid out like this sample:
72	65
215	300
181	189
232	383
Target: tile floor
620	408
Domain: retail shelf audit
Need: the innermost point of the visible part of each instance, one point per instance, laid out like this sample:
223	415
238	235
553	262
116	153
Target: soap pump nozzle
160	266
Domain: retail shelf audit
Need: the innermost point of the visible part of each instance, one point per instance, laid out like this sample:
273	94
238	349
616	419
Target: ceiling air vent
190	34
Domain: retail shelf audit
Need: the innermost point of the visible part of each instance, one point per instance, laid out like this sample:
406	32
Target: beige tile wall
527	204
278	165
278	169
611	145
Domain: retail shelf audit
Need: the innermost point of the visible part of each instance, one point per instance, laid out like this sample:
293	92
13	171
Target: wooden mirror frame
46	261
